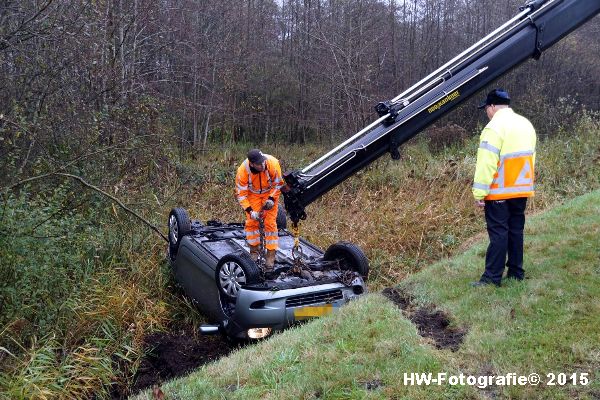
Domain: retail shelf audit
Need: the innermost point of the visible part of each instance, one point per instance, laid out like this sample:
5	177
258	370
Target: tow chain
346	277
297	254
262	247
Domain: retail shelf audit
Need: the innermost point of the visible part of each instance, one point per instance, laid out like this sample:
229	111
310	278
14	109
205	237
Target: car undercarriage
211	262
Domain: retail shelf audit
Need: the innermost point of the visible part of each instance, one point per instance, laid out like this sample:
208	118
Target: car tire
179	225
234	271
281	218
349	254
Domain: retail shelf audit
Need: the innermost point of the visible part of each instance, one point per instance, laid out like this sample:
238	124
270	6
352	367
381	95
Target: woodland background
76	73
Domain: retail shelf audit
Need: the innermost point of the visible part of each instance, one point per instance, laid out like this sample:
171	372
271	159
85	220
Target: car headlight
259	333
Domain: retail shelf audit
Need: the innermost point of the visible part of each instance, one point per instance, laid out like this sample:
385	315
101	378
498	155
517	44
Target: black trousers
505	222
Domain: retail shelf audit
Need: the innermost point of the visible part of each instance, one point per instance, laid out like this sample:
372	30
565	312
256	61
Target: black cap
255	156
497	97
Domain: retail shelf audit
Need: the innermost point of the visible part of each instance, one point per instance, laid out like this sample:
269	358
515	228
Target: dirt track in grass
431	323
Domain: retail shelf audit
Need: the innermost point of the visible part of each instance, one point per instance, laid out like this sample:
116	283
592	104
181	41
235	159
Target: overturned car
212	264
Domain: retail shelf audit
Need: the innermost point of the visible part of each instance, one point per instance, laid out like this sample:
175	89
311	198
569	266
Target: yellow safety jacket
505	158
250	188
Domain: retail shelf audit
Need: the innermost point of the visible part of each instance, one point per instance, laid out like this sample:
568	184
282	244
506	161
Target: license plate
313	311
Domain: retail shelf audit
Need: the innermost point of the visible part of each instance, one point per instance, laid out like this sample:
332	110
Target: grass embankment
83	283
546	324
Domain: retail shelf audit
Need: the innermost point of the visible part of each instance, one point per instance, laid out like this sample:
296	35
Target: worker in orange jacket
258	186
504	179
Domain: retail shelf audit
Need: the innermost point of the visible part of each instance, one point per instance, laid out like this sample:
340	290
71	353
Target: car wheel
350	256
281	218
179	226
234	271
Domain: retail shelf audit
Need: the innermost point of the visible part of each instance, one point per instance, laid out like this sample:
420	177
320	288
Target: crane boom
538	26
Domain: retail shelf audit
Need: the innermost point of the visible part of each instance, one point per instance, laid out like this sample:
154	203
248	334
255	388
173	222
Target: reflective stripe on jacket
263	184
505	158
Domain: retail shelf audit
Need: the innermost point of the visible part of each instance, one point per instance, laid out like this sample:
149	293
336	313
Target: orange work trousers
270	217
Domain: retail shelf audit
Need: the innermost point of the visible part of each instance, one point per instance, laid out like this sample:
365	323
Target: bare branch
73	161
113	198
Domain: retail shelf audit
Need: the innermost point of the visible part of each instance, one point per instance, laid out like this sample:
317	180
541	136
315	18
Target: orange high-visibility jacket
505	158
265	184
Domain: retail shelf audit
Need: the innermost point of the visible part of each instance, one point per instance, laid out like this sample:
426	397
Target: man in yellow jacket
258	186
504	179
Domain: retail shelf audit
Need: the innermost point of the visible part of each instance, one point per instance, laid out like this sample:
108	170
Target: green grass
548	323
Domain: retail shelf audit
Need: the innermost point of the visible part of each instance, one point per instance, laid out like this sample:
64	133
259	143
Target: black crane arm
538	25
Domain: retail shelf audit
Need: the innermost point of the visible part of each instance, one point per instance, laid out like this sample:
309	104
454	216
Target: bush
80	288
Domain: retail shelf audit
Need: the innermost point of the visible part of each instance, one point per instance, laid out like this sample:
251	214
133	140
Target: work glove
255	215
270	203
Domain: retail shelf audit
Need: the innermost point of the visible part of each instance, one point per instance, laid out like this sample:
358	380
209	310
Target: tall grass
84	283
81	293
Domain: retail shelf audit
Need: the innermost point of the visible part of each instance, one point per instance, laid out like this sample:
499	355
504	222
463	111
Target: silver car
212	263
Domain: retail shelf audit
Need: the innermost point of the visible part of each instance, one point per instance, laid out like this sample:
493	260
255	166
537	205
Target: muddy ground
431	323
174	354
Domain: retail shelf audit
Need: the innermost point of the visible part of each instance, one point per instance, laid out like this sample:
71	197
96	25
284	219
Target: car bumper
282	308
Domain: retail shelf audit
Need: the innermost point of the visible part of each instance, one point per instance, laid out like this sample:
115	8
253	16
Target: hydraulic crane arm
539	24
